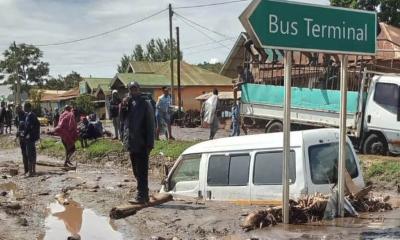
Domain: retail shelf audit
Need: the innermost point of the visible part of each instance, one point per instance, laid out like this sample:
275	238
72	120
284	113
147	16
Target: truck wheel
274	127
374	145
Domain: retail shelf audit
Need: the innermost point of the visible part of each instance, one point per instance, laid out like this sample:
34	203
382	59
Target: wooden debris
50	164
126	210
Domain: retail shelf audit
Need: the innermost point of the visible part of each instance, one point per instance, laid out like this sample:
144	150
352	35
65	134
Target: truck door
382	114
228	177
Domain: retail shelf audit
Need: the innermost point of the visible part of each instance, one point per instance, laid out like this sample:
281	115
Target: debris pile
313	208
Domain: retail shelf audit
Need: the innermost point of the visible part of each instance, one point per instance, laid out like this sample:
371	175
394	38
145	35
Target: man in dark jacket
114	112
31	135
139	138
2	116
20	125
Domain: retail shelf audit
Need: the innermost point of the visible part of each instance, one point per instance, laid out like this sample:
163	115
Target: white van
248	169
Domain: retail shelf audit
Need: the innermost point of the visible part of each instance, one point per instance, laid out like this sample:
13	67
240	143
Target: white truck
373	112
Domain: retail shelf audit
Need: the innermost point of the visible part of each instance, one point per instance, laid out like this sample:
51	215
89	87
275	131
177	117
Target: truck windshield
324	161
387	94
187	170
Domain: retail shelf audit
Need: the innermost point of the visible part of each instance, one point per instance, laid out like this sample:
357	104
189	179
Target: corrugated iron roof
93	83
144	79
60	96
191	75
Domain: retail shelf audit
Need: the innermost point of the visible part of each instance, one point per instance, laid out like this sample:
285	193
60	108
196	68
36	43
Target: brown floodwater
72	219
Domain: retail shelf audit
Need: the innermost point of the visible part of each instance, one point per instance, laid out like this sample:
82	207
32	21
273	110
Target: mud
92	190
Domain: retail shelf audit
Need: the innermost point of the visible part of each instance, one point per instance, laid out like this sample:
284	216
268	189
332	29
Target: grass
103	147
381	168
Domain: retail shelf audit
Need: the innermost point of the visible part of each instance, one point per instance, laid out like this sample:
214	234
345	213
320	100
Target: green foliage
389	9
216	67
102	147
157	50
390	12
383	170
170	149
36	95
72	80
54	84
84	104
23	62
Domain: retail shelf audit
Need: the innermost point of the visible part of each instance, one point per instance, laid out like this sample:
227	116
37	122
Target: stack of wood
311	208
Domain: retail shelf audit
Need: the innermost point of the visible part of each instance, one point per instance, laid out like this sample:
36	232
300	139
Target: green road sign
315	28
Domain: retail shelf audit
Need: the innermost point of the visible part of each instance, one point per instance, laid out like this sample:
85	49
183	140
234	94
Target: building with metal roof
153	75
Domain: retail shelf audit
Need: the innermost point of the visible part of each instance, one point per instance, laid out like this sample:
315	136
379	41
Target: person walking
56	117
114	113
67	130
163	115
211	112
20	125
139	138
31	135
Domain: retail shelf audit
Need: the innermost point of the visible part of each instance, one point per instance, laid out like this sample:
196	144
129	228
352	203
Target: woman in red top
67	129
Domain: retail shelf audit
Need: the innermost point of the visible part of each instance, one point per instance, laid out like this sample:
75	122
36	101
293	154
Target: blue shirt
163	103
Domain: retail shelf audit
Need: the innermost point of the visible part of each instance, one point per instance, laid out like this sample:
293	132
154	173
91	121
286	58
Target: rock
22	221
44	193
13	171
98	178
92	190
4	177
75	237
3	194
127	180
14	206
157	238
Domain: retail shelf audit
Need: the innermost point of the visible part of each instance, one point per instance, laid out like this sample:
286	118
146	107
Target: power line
203	33
201	26
211	4
103	33
207	43
201	51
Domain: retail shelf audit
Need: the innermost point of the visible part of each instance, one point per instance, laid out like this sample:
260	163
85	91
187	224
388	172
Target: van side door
266	182
228	177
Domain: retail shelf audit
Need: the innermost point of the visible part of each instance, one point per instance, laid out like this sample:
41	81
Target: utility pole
178	71
171	52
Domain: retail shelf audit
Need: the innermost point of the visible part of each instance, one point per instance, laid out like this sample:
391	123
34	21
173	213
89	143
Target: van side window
268	168
228	170
187	170
324	161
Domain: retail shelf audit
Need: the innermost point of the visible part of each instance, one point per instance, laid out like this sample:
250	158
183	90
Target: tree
157	50
72	80
390	12
54	84
213	67
23	63
389	9
84	104
36	96
123	67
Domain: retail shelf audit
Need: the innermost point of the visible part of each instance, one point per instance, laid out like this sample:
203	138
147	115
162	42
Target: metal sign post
342	137
286	134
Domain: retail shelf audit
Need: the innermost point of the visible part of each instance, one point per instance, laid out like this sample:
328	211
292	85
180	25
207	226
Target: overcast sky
49	21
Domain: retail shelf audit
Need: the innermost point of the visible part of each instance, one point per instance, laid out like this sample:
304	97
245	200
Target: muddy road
29	209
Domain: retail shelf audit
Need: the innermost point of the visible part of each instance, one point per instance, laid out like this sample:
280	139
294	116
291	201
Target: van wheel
374	145
274	127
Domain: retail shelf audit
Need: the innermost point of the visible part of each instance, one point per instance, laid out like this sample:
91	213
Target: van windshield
187	170
324	161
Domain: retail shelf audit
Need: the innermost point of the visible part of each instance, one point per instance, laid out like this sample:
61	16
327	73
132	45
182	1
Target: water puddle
72	219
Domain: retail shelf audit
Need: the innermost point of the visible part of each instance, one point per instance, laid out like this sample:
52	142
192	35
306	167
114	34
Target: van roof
257	141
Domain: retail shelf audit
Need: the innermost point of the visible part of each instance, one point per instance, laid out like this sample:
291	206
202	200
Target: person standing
20	125
211	112
67	129
8	119
139	138
56	117
114	113
163	115
235	119
31	135
2	116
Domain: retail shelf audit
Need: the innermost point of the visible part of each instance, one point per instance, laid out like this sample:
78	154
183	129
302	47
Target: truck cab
248	169
382	115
